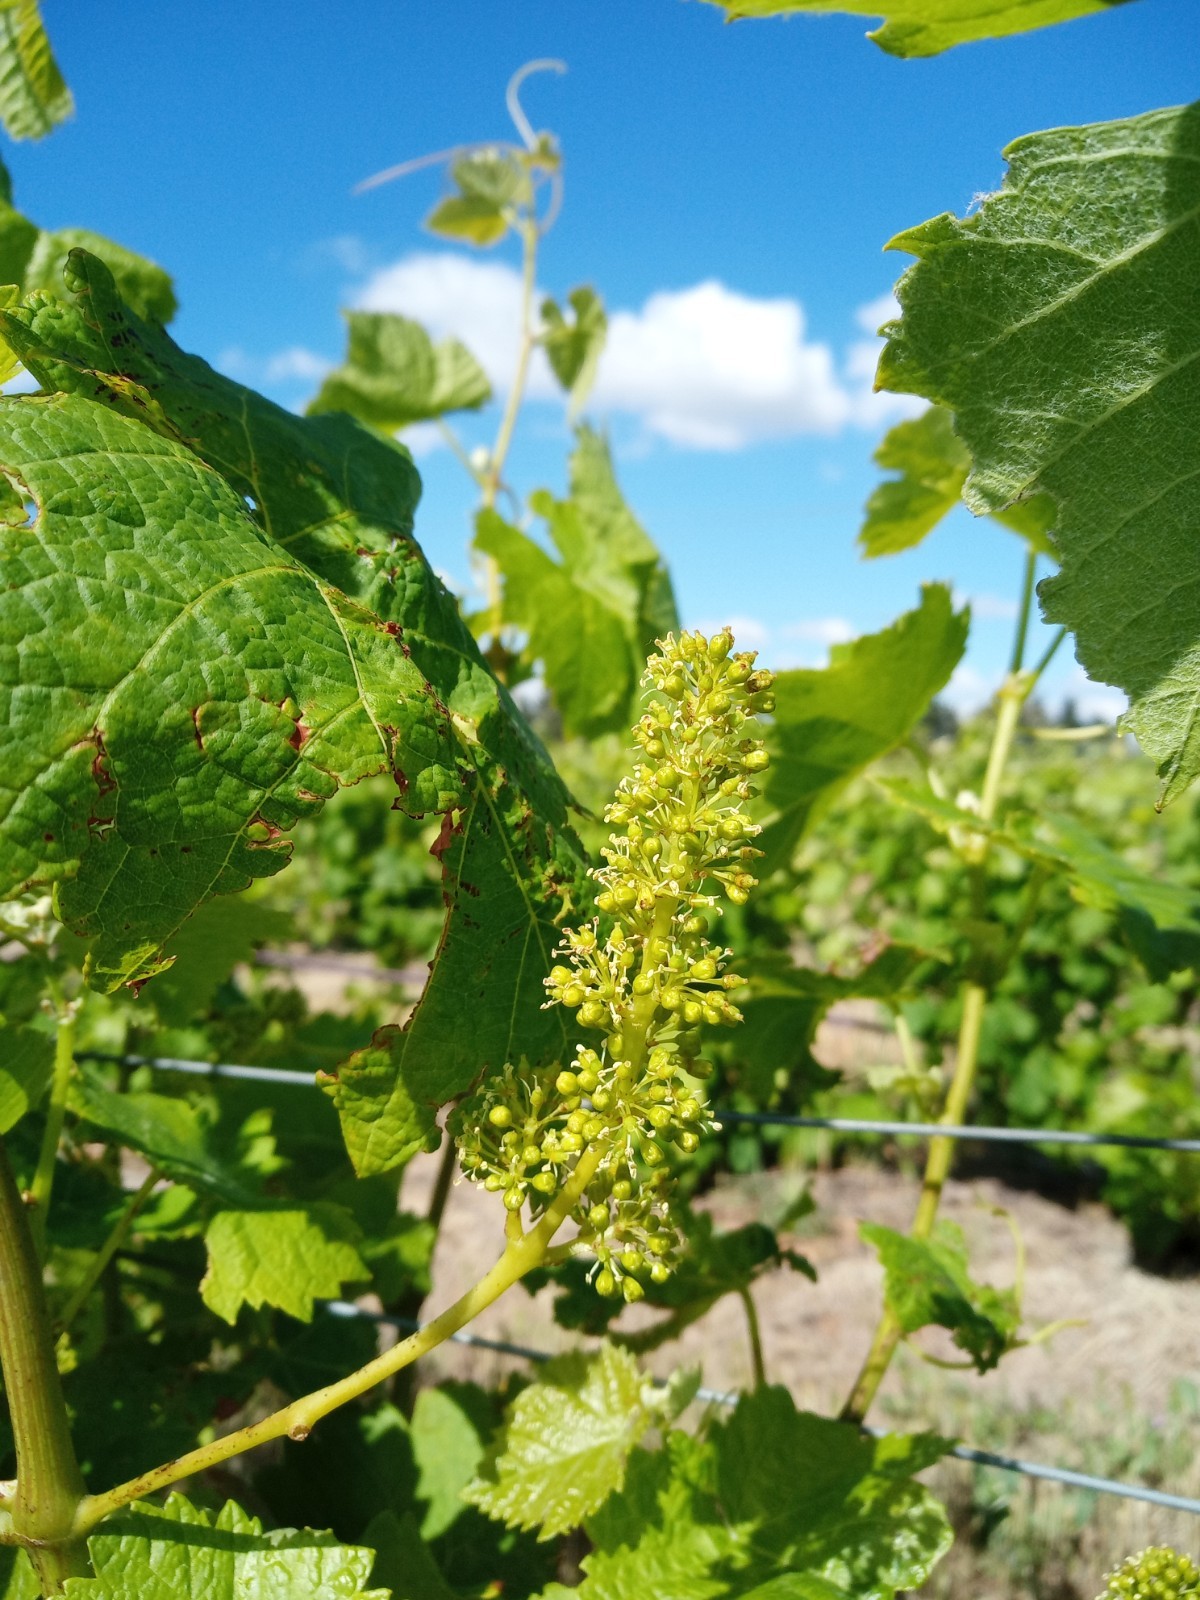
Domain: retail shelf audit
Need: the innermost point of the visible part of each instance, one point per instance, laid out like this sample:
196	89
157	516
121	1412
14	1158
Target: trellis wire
986	1458
963	1452
771	1119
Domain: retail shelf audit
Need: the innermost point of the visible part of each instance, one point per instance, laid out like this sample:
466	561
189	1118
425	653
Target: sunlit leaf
932	465
26	1059
33	96
593	615
285	1257
565	1442
928	1284
926	27
179	1552
574	345
394	374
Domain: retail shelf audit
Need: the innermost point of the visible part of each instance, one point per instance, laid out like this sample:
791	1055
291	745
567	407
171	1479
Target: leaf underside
1061	324
33	96
927	27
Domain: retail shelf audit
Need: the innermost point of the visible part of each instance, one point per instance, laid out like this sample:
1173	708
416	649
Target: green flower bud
622	1189
755	761
513	1200
606	1284
592	1014
659	1272
544	1182
632	1290
573	995
500	1116
598	1217
566	1083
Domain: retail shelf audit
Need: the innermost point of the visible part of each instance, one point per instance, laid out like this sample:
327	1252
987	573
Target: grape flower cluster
1159	1573
644	976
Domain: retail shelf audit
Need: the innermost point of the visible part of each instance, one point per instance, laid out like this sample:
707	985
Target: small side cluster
1158	1573
644	975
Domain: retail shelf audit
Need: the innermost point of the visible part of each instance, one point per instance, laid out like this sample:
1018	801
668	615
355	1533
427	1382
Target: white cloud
969	691
820	630
988	607
748	632
711	369
704	367
296	364
872	316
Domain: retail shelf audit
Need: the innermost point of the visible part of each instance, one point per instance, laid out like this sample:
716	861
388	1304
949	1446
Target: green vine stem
43	1502
42	1184
116	1238
755	1333
297	1420
1013	693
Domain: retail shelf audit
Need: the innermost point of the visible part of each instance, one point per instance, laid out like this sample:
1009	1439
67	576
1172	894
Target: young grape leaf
593	616
565	1442
774	1500
340	498
1061	324
447	1449
832	722
573	348
933	463
26	1061
178	690
34	258
395	375
179	1552
928	1284
287	1257
33	96
489	183
927	27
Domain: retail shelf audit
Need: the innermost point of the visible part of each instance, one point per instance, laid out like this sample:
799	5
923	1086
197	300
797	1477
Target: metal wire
963	1452
941	1130
923	1130
767	1119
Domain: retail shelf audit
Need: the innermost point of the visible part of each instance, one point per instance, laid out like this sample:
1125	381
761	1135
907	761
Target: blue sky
728	191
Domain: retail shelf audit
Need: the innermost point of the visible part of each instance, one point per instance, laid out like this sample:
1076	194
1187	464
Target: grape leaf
285	1257
1161	919
928	1284
447	1449
565	1442
933	463
773	1500
1061	322
403	1561
180	1552
26	1061
177	689
574	347
33	95
167	1131
593	617
340	498
18	1581
489	182
395	375
832	722
34	258
773	1049
927	27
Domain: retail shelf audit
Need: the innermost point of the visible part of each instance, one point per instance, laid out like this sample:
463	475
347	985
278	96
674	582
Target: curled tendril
643	974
